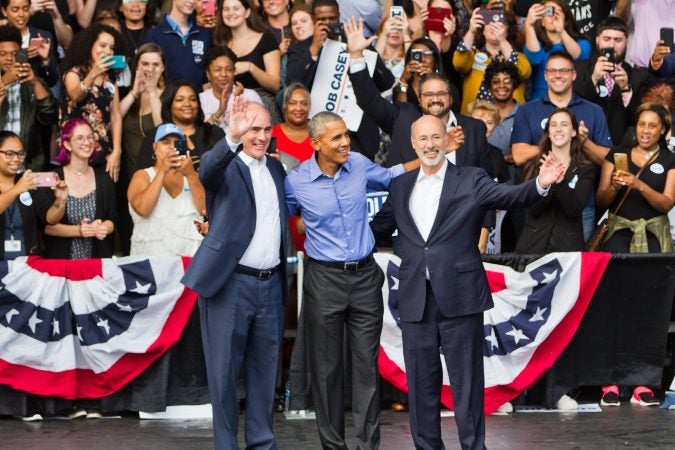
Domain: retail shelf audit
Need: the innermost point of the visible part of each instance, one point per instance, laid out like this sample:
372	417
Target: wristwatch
402	87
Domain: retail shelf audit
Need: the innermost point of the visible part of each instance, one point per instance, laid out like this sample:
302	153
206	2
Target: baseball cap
167	129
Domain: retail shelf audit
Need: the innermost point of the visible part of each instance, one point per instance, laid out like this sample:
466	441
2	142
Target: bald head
430	141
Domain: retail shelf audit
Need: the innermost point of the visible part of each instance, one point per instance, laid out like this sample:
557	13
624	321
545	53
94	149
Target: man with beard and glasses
467	144
443	288
612	83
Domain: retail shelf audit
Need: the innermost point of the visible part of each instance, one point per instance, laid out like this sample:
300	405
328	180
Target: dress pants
338	302
241	329
461	340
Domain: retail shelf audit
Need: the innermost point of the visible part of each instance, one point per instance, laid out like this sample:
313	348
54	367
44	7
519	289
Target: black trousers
461	341
338	302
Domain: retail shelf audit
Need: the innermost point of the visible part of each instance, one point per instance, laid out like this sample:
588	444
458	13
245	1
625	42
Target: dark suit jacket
396	119
554	222
301	67
619	117
230	207
451	251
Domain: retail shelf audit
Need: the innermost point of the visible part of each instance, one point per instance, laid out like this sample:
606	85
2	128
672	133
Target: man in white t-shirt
217	101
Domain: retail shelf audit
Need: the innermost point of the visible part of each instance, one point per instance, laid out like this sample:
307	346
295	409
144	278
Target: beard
431	160
445	108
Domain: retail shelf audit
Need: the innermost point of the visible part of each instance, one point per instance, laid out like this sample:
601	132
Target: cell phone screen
181	147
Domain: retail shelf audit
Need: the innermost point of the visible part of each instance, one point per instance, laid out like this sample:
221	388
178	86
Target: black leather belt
261	274
347	266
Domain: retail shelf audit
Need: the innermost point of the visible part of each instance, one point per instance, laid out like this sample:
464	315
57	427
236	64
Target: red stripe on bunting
593	265
84	383
85	269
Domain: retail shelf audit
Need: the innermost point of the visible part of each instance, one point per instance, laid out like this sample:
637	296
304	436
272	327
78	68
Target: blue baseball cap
168	129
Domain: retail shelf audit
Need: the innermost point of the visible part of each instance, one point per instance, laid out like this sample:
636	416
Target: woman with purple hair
86	229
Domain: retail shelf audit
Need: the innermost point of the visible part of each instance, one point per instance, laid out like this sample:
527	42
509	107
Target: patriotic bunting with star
84	329
536	312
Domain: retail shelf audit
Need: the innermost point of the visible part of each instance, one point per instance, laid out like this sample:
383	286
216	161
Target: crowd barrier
76	329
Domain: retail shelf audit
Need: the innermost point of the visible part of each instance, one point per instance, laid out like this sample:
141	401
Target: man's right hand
241	119
601	68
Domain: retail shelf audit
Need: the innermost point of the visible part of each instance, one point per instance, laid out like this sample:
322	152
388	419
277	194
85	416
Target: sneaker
77	413
643	396
610	396
505	408
31	418
566	404
94	414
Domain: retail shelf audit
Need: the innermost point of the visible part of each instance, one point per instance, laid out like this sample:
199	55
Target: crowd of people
138	108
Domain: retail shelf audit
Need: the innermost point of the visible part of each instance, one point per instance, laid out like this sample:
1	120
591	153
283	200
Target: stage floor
622	427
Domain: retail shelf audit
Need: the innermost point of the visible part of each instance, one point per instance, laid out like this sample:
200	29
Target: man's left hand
620	77
356	40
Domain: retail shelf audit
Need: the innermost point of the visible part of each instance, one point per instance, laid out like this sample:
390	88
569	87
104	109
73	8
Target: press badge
12	245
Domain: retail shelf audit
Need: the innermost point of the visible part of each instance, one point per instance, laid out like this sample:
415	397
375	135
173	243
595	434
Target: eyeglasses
506	81
559	71
82	138
11	154
439	94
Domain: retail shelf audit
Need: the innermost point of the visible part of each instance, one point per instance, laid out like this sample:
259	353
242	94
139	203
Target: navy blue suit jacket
451	252
395	119
230	207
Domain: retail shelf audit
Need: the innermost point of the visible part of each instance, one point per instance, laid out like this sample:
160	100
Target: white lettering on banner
332	90
374	202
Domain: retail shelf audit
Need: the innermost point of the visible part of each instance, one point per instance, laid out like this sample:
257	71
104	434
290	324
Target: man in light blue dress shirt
342	285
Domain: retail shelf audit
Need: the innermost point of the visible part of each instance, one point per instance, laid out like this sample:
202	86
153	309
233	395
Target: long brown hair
149	47
222	35
577	156
571	25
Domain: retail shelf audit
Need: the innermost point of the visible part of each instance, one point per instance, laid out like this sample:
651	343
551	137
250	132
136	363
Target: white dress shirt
263	250
424	199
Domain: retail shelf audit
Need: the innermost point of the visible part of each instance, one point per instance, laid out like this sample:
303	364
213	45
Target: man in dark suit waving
239	272
443	288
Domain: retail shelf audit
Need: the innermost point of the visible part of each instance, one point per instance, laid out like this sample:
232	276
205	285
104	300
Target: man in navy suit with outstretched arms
443	288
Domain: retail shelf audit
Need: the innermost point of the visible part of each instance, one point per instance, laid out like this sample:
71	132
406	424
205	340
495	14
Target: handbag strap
637	175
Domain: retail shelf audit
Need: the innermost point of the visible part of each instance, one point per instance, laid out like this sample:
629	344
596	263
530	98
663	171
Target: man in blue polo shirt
184	43
531	118
530	121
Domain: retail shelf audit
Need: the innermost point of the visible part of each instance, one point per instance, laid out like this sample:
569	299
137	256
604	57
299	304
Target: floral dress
95	109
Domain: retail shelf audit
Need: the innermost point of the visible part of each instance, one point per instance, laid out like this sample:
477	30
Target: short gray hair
289	91
318	123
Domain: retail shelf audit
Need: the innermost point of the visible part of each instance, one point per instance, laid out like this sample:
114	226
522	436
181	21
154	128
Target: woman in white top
165	199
